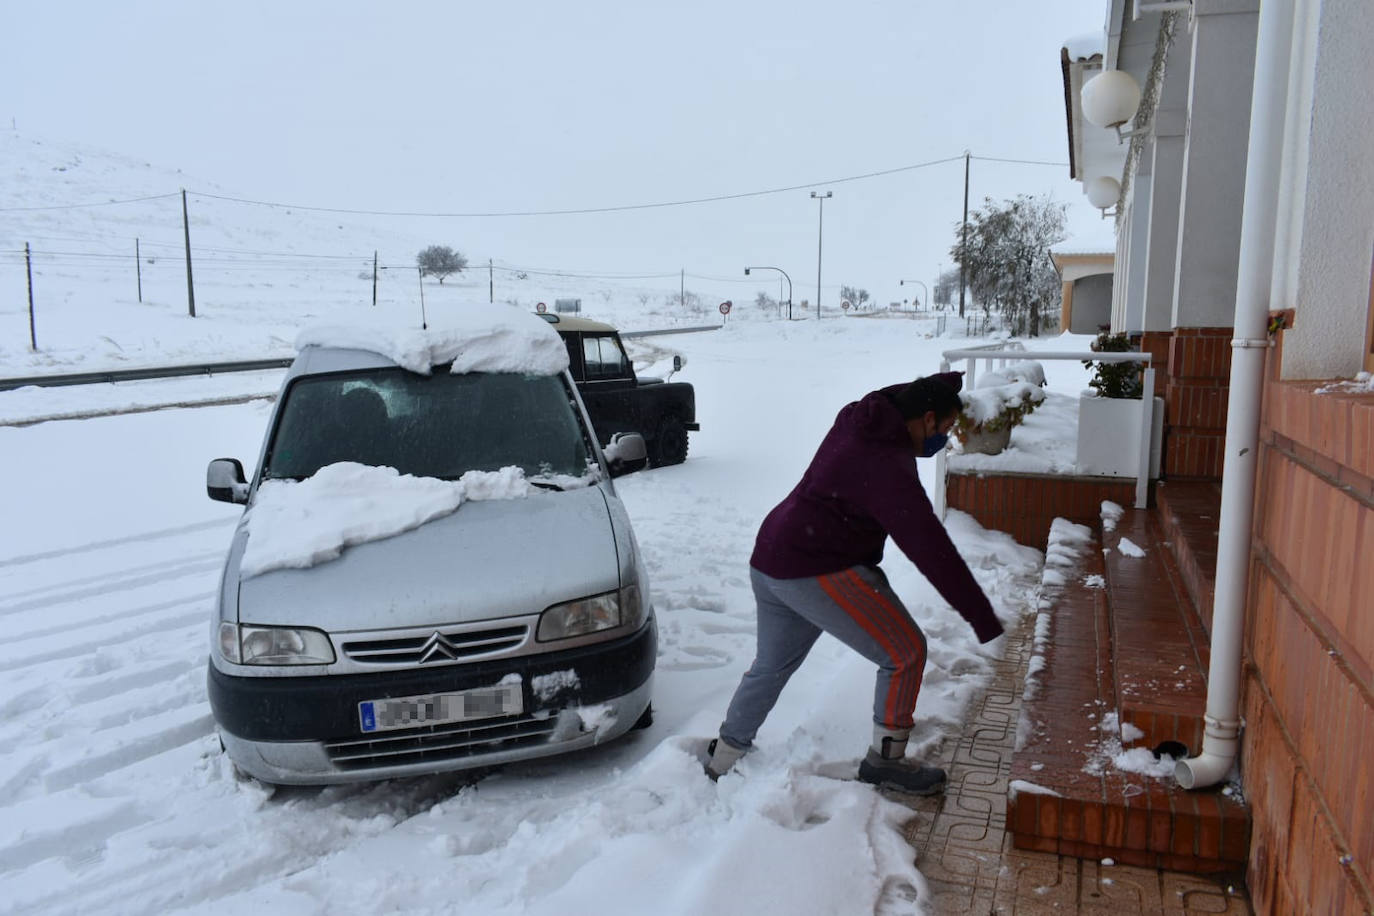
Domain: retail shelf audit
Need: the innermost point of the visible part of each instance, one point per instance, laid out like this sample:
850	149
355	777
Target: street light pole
820	237
925	288
789	285
963	271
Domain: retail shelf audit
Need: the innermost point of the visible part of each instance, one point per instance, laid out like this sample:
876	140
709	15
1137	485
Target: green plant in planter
1114	380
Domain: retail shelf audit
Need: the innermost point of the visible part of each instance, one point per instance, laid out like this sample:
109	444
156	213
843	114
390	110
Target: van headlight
591	615
244	644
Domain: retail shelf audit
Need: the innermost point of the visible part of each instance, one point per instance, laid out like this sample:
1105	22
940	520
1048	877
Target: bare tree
946	287
765	302
857	297
440	261
1007	256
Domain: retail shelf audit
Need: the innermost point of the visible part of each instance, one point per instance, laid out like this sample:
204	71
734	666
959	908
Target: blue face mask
934	445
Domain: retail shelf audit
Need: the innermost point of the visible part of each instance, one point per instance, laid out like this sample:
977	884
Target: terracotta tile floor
965	850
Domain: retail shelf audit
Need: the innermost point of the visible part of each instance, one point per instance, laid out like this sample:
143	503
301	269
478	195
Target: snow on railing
996	356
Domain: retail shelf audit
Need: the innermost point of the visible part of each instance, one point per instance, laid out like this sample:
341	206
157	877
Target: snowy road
118	800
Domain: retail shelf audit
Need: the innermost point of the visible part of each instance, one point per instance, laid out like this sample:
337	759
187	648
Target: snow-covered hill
259	271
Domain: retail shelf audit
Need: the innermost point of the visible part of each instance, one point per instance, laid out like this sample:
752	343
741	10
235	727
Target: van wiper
545	485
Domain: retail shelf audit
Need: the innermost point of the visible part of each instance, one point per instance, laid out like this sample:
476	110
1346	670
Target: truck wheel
670	442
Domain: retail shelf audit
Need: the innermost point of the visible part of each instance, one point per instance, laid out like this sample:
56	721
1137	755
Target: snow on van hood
480	338
296	524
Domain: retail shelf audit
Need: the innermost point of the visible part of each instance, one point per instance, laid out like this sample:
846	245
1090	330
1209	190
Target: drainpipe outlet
1218	756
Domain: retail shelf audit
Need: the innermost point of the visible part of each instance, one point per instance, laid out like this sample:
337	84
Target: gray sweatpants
858	608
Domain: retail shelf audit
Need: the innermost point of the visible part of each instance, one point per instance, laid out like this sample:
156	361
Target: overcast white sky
550	105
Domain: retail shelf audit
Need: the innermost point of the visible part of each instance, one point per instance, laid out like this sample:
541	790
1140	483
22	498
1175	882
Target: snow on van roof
476	338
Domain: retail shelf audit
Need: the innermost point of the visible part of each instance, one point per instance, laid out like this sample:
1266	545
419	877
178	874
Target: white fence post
1147	428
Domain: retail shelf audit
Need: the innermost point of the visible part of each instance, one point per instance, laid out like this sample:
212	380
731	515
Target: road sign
845	305
726	306
541	308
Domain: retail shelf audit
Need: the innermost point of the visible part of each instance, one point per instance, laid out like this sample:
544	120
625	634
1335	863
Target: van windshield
439	425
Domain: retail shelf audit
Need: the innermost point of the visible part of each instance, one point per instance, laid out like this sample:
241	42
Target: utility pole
682	289
424	322
28	269
820	237
963	274
186	227
138	269
491	283
374	278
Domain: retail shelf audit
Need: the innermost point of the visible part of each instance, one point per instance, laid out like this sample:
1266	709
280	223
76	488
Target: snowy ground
117	798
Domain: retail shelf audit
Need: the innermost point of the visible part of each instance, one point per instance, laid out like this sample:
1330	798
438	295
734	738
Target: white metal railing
999	355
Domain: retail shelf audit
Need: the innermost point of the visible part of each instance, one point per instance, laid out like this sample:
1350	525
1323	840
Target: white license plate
439	708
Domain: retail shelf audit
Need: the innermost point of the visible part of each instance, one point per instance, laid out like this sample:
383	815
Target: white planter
1109	436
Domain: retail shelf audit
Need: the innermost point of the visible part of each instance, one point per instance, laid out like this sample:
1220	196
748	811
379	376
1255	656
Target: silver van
515	626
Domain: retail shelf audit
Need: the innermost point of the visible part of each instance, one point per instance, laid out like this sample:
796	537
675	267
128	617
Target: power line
564	212
583	210
1020	161
103	203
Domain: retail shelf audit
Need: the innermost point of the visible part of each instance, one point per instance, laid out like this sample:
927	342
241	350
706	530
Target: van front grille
436	647
440	742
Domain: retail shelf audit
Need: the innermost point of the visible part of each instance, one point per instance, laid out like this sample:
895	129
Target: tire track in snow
116	575
111	589
15	655
120	542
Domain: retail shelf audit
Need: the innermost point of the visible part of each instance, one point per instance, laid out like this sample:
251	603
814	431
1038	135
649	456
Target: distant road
107	376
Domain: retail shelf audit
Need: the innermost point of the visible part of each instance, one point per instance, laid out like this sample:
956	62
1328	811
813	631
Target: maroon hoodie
860	489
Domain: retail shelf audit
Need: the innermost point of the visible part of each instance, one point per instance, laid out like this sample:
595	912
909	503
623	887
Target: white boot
723	756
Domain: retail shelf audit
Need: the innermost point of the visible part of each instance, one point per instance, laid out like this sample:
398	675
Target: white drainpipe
1255	272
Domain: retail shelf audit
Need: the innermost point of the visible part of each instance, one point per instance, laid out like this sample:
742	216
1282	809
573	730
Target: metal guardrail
691	330
136	375
1002	355
105	376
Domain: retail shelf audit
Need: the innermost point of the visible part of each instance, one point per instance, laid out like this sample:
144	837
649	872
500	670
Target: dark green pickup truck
618	402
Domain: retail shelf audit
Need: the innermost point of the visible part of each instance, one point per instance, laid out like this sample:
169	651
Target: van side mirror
224	481
626	453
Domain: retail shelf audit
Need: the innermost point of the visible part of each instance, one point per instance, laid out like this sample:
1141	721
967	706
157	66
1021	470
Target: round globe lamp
1103	191
1110	99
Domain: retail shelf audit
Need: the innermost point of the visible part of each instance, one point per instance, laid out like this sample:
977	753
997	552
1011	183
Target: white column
1328	279
1166	186
1138	239
1223	71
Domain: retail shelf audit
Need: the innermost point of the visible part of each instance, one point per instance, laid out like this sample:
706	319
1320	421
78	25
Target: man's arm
910	521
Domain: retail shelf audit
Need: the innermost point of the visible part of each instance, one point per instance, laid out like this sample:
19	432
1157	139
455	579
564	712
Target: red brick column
1195	396
1158	345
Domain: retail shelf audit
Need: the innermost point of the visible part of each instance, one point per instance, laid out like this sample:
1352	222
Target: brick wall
1158	344
1308	751
1195	394
1024	505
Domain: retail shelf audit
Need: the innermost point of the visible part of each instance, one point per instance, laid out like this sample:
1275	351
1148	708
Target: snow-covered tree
440	261
1007	257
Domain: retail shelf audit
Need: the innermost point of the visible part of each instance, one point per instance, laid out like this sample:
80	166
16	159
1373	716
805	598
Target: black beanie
939	393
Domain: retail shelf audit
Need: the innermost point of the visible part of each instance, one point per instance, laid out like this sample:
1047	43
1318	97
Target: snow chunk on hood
297	524
480	338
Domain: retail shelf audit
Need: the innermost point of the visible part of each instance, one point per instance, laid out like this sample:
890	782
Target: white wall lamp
1111	99
1103	192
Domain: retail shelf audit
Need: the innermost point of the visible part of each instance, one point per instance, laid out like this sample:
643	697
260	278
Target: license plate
439	708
